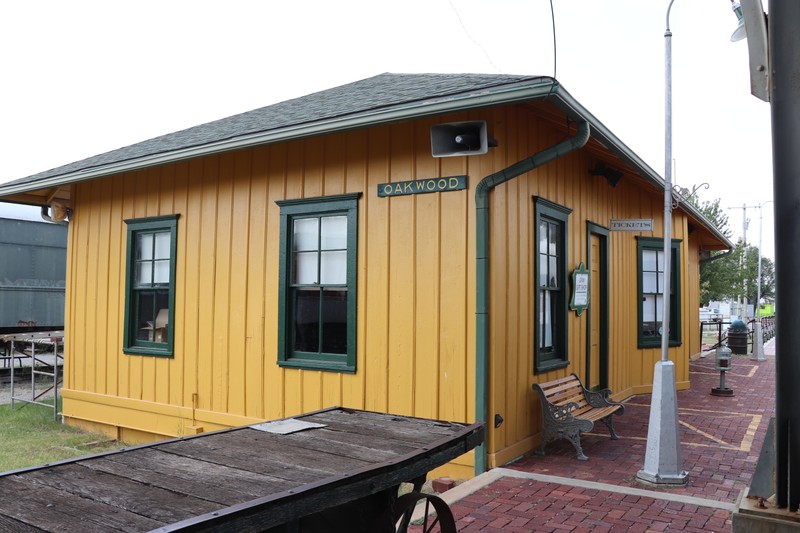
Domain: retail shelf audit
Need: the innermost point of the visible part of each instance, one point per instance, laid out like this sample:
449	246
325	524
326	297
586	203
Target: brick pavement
720	441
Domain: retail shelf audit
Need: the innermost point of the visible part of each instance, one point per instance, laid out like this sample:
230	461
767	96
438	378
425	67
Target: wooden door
595	301
596	376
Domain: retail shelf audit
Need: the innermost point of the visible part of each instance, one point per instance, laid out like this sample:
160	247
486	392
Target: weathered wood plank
375	449
399	429
430	426
200	479
49	509
213	451
121	493
9	525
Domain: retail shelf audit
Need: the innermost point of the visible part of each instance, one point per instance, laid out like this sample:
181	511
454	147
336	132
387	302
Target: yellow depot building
406	244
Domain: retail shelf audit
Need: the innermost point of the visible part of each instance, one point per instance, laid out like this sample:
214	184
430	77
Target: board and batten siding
416	284
567	182
415	289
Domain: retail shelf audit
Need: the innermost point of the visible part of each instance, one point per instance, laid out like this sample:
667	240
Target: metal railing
719	330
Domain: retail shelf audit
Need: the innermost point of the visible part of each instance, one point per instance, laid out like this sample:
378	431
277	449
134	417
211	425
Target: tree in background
735	274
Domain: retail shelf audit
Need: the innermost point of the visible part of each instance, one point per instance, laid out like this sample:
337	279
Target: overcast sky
84	77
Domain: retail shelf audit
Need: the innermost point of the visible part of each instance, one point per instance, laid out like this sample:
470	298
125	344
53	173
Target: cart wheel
441	521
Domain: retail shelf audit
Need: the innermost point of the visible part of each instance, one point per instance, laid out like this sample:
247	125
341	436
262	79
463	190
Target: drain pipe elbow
482	191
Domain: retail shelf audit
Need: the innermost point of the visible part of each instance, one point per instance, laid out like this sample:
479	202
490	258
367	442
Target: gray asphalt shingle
379	92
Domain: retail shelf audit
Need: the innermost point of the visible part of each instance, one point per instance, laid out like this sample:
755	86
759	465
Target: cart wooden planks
331	470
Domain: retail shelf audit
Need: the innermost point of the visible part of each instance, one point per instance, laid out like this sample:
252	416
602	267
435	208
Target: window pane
162	245
554	239
161	272
145	318
334	321
553	273
661	260
648	307
305	268
161	321
546	321
543	271
334	233
649	282
649	261
333	269
306	320
144	274
144	246
306	234
659	308
543	237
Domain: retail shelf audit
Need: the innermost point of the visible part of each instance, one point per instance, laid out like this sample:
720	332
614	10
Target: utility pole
743	259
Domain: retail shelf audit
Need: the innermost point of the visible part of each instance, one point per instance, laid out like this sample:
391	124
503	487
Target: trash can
737	337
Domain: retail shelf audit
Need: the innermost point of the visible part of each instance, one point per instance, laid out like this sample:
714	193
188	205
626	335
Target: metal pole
784	46
663	455
758	342
744	265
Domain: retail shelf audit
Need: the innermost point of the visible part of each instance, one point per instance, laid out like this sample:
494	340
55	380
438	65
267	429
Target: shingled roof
360	98
378	100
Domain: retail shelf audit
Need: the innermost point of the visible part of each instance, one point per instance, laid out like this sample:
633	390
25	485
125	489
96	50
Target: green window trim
300	294
648	337
149	286
551	290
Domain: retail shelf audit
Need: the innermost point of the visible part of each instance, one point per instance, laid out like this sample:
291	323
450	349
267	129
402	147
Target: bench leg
575	439
609	422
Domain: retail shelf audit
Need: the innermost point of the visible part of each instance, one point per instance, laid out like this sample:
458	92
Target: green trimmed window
651	290
150	286
550	283
317	298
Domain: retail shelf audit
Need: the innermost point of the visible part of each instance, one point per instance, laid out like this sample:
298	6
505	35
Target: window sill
652	346
305	364
153	352
549	366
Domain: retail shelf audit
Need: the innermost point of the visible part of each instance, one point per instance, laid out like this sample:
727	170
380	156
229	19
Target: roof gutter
482	265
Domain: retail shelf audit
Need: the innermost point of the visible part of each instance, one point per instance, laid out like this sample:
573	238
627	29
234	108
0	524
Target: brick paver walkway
720	437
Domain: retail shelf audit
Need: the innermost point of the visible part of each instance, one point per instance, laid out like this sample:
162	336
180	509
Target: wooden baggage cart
327	471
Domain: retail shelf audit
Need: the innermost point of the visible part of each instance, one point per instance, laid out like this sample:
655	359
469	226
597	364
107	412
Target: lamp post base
663	455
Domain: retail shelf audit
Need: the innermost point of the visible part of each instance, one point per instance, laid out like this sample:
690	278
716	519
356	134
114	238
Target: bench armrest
600	398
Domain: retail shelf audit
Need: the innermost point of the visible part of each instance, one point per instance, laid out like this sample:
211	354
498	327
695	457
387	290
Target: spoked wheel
441	521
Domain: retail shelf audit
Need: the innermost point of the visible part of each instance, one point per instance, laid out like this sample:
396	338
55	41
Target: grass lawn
30	436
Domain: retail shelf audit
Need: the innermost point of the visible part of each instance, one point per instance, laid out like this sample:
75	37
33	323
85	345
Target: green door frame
602	232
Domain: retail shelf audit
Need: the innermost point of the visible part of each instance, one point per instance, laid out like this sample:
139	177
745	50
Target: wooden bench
568	409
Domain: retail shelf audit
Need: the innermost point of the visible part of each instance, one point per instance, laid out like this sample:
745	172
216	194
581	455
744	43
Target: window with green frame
651	290
150	286
317	295
550	284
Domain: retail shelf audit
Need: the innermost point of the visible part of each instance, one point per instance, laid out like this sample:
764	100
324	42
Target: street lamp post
758	342
663	454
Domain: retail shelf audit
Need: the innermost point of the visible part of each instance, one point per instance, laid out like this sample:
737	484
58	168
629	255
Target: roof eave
574	109
537	88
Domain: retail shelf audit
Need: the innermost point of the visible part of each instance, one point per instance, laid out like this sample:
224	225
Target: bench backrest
566	390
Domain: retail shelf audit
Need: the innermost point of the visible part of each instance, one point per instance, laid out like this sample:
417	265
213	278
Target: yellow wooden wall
416	284
567	182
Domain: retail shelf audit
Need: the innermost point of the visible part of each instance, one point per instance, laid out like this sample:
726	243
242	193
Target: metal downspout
482	267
